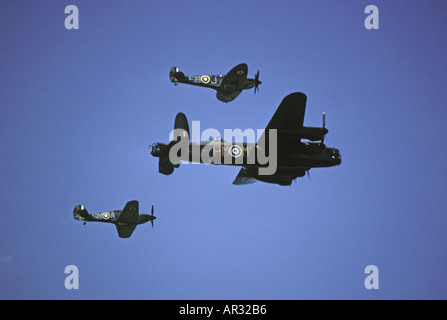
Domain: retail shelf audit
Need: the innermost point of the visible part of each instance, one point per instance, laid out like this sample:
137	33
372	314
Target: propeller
152	214
323	127
257	82
324	131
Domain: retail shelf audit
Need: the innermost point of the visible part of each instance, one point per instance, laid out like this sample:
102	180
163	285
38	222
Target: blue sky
78	109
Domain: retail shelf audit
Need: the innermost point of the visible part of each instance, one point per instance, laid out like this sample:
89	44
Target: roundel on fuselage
205	79
235	151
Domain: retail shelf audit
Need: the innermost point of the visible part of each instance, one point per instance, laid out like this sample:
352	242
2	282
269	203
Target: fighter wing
289	115
244	177
125	230
233	83
130	213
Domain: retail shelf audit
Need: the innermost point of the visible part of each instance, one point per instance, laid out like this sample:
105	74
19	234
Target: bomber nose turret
337	156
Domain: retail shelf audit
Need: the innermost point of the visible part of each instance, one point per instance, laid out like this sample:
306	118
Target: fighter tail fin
80	213
175	75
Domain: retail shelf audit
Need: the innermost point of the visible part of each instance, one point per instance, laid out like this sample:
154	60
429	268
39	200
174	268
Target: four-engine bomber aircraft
125	221
293	157
228	87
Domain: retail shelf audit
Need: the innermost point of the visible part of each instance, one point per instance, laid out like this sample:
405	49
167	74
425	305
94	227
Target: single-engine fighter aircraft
228	87
125	221
291	156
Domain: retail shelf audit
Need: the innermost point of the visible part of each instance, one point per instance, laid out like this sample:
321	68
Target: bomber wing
244	177
288	116
233	83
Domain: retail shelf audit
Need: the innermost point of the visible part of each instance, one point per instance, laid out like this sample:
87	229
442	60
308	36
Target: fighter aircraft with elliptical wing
228	86
125	220
293	157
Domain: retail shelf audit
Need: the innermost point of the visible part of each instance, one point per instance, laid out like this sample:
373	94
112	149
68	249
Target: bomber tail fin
181	133
181	123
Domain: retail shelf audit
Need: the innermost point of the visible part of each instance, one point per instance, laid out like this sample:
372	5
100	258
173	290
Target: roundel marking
205	79
240	72
105	215
235	151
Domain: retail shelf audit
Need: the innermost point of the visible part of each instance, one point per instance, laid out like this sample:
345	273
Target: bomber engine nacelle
309	133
